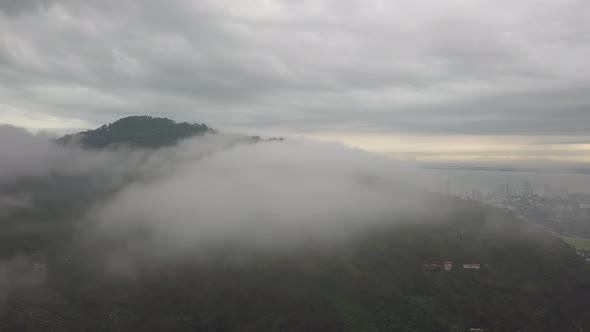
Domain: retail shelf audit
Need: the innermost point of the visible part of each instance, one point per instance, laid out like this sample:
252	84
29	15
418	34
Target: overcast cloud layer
413	67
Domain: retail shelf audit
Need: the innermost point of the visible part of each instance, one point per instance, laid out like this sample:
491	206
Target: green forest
384	277
374	281
138	131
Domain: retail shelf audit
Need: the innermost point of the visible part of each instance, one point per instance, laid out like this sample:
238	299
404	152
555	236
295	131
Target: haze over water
462	181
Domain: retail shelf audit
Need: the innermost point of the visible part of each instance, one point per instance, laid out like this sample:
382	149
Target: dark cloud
18	7
487	67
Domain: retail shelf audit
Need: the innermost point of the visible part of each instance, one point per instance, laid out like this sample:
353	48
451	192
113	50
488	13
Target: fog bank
213	191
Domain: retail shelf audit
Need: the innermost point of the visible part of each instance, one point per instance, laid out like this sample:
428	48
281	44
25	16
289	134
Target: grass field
577	242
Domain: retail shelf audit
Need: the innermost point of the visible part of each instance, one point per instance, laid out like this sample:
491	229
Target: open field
578	242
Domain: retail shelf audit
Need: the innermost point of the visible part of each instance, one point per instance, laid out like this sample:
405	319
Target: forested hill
141	131
466	265
388	278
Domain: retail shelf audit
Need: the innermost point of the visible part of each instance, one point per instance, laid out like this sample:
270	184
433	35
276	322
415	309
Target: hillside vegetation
385	276
375	281
141	131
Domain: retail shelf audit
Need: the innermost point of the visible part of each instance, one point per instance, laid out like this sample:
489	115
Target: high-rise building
527	190
476	195
507	190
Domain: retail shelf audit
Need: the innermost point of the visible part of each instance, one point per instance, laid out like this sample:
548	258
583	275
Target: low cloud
19	273
210	192
265	195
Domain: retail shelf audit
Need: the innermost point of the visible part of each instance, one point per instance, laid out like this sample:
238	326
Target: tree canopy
141	131
377	281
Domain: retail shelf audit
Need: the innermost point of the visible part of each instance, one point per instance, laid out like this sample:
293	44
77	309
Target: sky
429	80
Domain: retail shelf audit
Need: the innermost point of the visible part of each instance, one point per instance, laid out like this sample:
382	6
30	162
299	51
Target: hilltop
140	131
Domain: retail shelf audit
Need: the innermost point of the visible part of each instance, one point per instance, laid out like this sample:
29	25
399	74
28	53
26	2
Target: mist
18	273
222	229
209	192
269	196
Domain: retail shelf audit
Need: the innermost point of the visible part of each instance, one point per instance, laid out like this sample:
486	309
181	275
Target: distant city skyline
464	182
